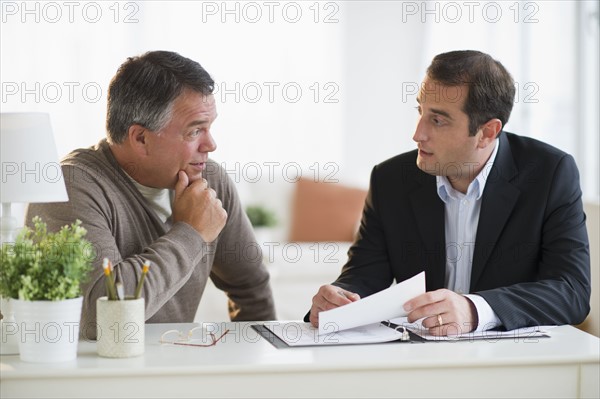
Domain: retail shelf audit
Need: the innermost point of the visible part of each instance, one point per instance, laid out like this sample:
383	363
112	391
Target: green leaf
260	216
41	265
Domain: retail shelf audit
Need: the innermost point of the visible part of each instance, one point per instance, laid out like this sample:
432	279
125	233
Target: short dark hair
145	87
491	91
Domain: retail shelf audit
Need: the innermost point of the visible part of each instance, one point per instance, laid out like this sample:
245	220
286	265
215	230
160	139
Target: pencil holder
120	327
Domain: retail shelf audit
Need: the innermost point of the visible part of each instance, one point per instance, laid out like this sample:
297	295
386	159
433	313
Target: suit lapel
429	213
498	201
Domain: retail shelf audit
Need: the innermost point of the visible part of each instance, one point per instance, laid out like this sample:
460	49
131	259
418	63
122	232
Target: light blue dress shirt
461	218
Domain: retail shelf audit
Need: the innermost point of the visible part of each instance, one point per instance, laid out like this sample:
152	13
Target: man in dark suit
494	219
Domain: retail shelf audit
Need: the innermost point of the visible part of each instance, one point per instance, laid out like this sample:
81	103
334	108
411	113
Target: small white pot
48	330
120	327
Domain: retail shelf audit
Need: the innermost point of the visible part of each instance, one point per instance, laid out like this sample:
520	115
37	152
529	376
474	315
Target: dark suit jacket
531	258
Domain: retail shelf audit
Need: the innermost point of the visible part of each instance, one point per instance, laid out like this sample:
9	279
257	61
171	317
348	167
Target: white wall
363	59
384	60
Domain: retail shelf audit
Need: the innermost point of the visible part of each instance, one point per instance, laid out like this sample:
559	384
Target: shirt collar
446	191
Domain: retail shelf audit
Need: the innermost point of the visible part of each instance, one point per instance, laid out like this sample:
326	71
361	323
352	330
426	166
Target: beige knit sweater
123	227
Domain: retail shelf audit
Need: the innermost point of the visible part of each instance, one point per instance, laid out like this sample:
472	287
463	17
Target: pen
138	290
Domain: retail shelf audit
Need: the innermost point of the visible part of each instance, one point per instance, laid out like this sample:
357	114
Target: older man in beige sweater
149	192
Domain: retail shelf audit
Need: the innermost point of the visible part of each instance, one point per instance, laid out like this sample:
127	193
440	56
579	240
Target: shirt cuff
486	315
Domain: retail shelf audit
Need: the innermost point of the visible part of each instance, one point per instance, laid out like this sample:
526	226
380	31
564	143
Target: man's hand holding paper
329	297
443	312
341	310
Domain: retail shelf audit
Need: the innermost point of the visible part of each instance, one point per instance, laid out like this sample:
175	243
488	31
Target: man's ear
136	136
489	132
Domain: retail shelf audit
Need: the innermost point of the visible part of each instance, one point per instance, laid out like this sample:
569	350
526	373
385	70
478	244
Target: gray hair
145	87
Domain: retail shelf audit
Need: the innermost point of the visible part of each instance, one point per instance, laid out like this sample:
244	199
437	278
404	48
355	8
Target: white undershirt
159	199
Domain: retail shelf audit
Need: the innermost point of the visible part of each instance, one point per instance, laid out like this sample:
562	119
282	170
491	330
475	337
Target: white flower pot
8	328
48	330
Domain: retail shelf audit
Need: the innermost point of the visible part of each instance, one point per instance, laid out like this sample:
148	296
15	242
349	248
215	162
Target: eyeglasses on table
177	337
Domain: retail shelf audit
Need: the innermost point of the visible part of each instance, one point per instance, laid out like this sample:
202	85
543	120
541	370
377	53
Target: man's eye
418	108
195	133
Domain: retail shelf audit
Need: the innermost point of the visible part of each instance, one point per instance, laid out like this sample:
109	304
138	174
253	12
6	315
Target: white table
246	365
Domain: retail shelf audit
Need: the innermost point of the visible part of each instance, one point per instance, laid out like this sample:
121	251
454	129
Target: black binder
407	336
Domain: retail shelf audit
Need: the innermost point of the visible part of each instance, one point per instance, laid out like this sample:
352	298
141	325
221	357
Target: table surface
243	351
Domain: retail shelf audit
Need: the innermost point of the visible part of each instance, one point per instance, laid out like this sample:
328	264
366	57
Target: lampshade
30	168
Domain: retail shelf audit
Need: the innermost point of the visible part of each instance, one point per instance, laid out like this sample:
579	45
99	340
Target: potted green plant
263	221
41	274
260	216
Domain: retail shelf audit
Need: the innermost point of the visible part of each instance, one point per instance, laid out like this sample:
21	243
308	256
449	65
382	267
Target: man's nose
208	145
420	132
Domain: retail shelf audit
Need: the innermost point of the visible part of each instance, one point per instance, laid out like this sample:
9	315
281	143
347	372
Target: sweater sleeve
119	230
238	268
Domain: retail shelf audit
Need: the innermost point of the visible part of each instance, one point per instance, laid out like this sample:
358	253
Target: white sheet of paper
384	305
525	333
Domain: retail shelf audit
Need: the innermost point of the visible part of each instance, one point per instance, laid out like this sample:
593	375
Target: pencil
138	290
119	285
111	292
115	279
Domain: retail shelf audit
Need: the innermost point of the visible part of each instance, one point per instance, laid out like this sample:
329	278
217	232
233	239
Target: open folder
375	319
359	322
298	334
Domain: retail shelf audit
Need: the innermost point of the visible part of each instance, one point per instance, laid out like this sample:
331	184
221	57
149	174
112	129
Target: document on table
489	335
376	318
360	322
295	333
384	305
298	334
